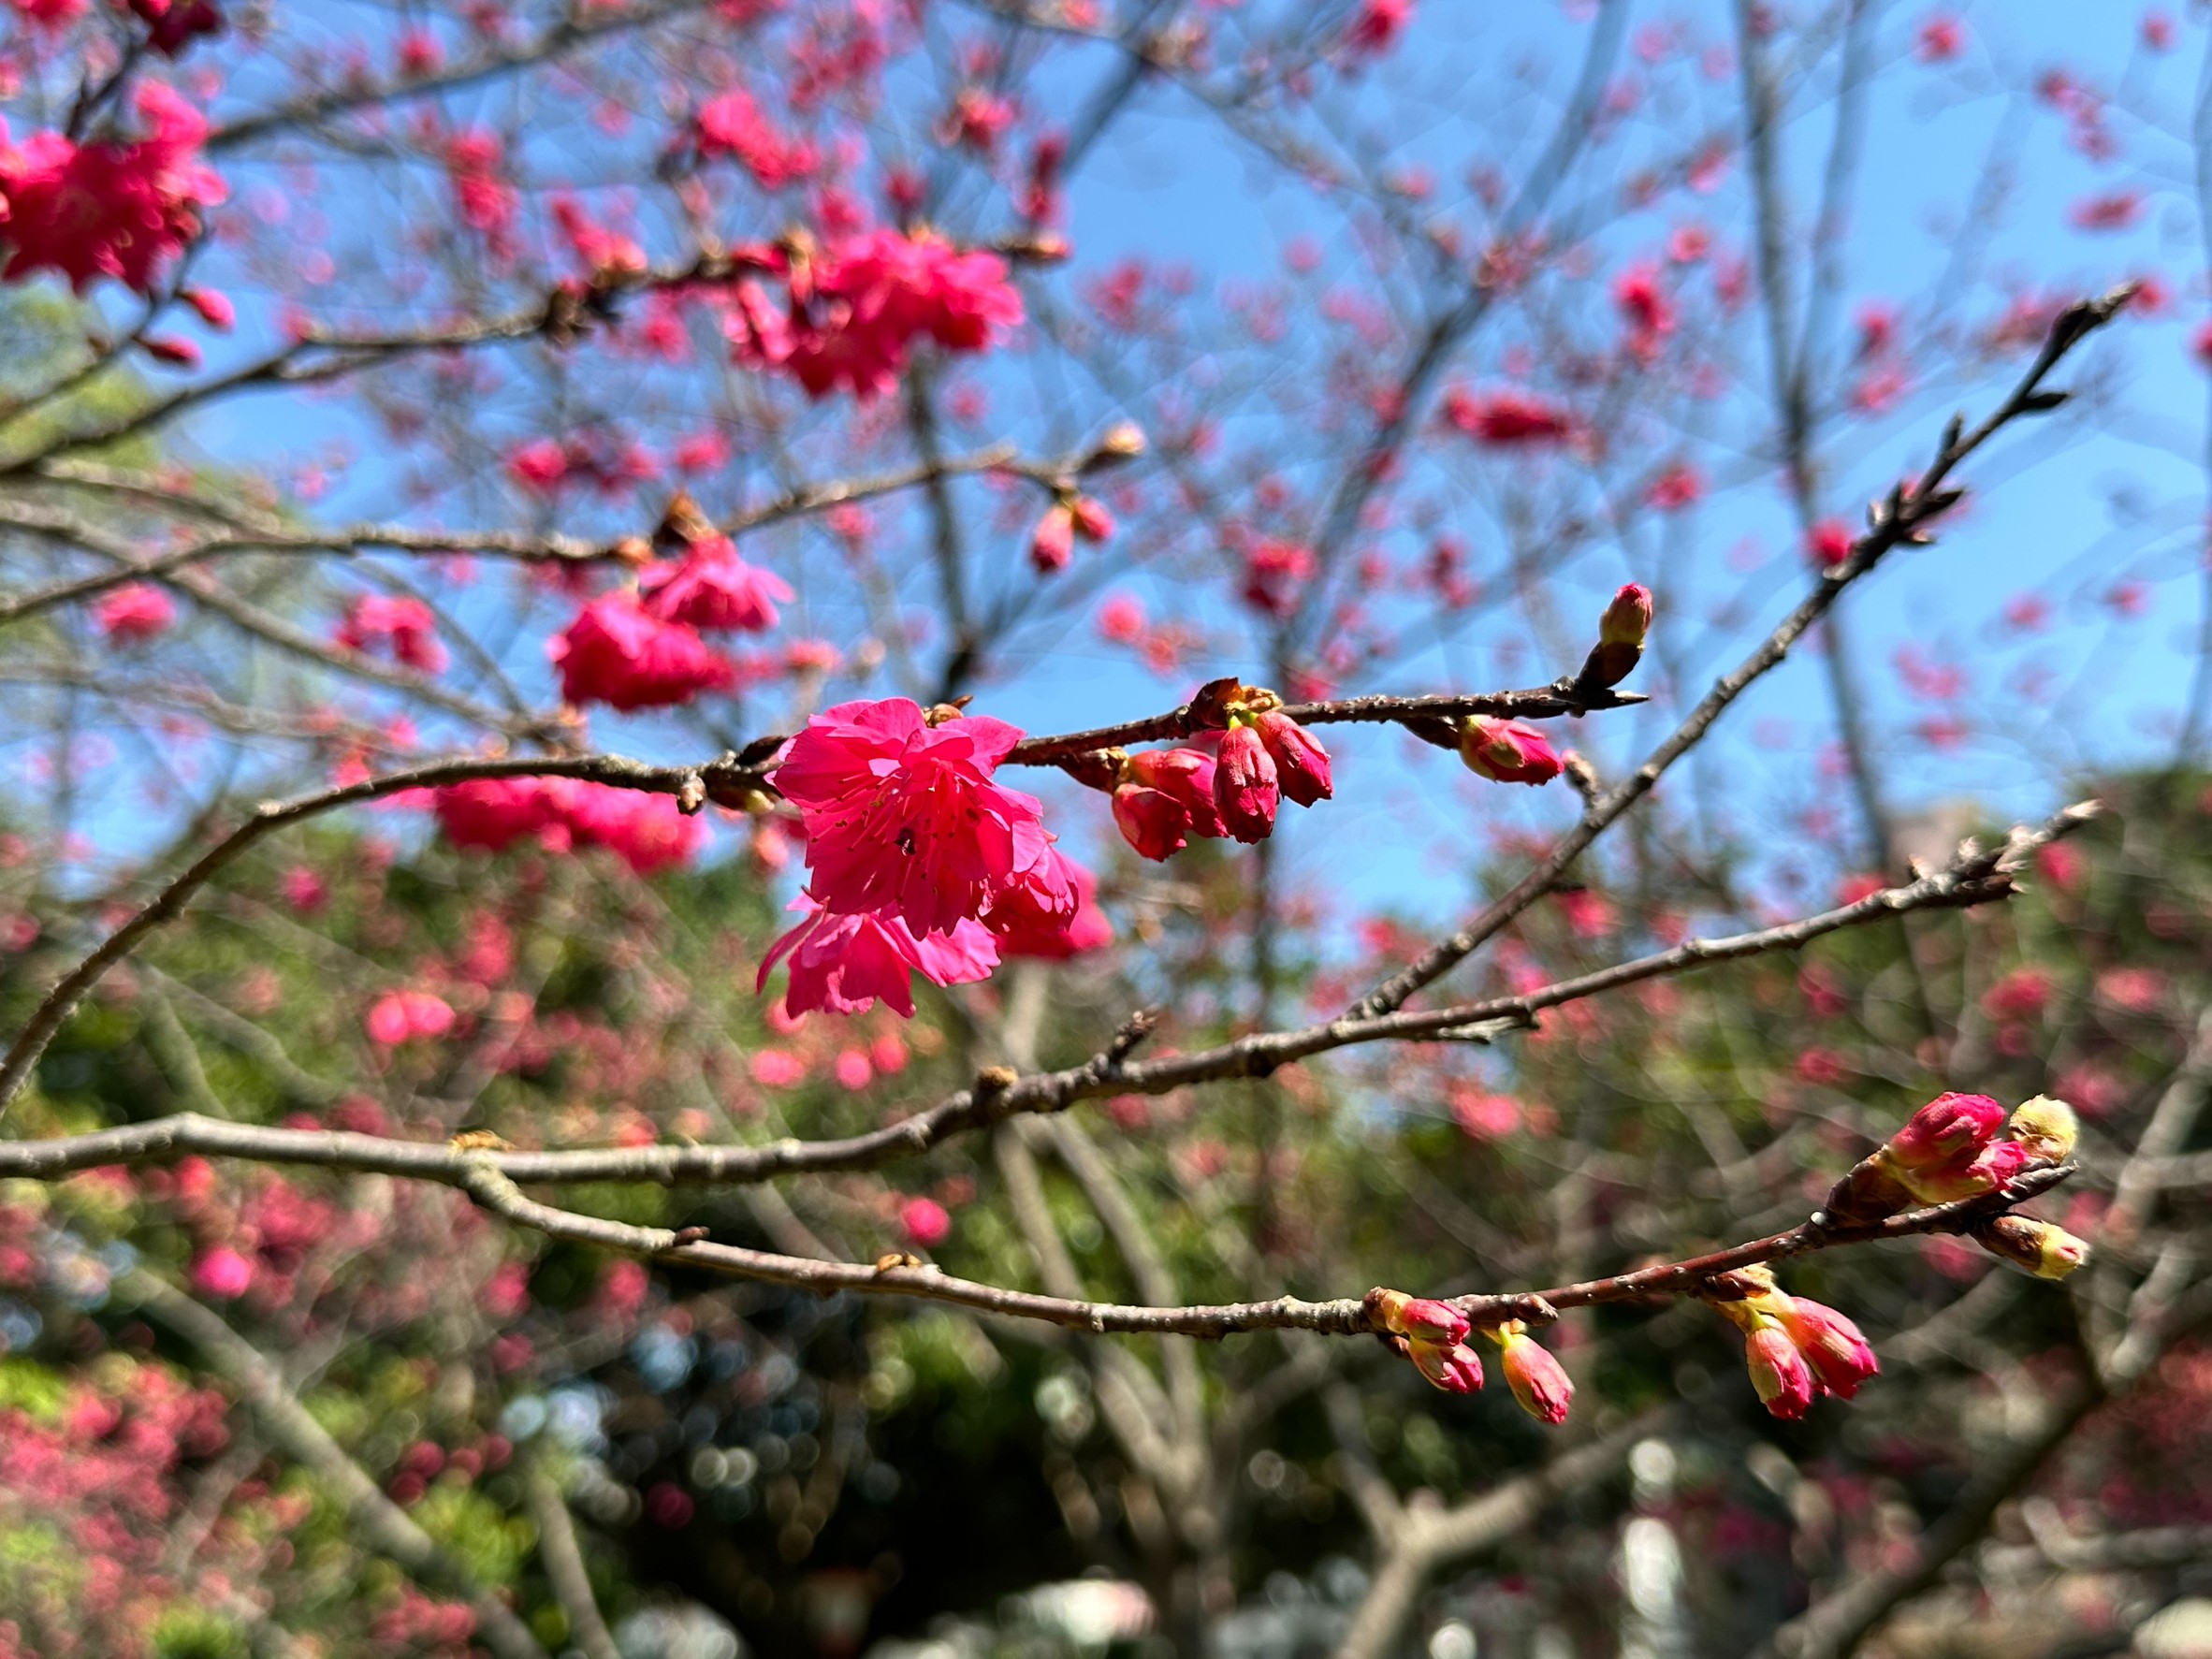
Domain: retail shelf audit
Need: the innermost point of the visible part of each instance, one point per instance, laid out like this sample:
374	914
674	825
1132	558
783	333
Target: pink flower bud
1302	765
1947	1127
1091	520
1538	1381
1052	544
1778	1371
1457	1369
215	307
1185	777
1423	1318
1840	1358
2044	1250
1966	1175
1152	823
1244	787
1507	753
1628	620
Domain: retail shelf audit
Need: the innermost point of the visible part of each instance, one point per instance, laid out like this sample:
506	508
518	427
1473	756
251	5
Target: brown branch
1562	697
565	37
1976	877
1903	518
1420	1540
274	815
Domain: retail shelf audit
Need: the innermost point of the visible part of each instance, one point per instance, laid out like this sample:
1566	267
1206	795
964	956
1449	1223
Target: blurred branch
1978	876
564	1561
1425	1537
585	28
1834	1628
381	1524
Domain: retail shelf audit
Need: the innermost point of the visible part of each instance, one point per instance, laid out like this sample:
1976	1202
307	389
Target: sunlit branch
1904	517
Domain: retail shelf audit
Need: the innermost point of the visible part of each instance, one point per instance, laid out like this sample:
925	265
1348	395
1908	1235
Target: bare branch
1904	517
381	1524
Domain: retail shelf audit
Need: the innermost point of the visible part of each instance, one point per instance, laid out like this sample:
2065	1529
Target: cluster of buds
1052	544
1795	1350
1162	797
1960	1146
1434	1334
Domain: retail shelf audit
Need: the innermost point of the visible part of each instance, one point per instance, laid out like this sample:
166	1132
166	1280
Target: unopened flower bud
1944	1129
1245	789
1778	1371
1153	823
1185	775
2048	1251
1628	620
1421	1317
2045	1128
1124	441
1507	753
1092	521
1302	765
1966	1176
1455	1368
1538	1381
1052	544
1620	639
1839	1355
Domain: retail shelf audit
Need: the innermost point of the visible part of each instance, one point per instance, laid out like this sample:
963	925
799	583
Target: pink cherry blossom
616	653
902	816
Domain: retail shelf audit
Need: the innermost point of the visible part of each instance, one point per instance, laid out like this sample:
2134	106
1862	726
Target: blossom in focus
133	613
1508	752
1838	1355
1539	1382
1154	823
1454	1367
1302	765
713	587
1033	917
844	962
1425	1318
108	209
1621	633
2045	1129
1778	1370
1245	787
903	817
1948	1127
616	653
2044	1249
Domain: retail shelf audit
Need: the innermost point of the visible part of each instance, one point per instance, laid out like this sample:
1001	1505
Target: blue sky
2062	510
